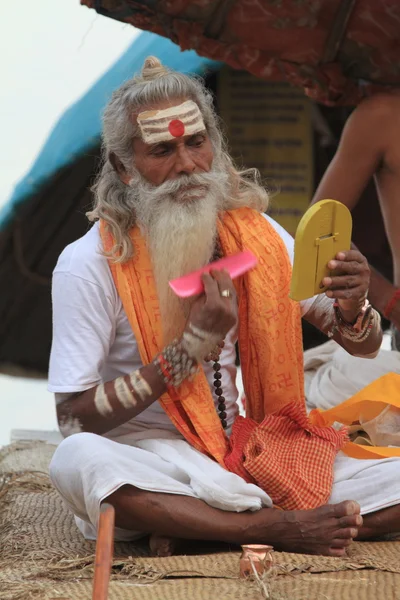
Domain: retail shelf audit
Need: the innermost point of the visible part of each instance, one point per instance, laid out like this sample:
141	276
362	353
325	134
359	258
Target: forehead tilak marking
170	123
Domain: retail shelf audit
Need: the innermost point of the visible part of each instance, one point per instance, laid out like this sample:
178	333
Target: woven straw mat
43	556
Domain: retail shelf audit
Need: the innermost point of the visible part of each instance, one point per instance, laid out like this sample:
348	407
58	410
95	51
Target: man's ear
119	168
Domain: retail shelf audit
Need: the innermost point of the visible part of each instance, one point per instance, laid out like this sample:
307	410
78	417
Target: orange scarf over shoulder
270	343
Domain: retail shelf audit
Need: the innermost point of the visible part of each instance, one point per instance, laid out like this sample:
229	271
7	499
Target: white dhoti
87	468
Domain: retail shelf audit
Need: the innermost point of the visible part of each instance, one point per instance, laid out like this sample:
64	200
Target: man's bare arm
380	292
359	155
106	406
338	312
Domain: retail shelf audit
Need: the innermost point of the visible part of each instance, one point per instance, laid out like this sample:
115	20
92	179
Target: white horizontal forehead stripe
170	112
160	118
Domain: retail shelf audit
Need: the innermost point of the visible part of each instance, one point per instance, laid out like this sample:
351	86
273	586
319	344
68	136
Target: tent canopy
337	50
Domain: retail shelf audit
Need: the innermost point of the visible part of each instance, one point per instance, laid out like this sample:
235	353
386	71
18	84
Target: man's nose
184	162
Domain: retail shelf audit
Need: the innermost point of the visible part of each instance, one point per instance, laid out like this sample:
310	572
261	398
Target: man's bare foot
160	545
327	530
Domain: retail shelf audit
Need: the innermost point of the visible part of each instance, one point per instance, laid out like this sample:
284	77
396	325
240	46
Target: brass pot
258	555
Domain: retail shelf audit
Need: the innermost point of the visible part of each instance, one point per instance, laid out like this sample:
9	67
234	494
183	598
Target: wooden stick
104	552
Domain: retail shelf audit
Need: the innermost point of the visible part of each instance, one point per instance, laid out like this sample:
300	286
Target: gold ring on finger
226	293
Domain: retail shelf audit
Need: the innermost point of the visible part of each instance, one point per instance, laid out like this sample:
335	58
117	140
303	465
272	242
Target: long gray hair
112	200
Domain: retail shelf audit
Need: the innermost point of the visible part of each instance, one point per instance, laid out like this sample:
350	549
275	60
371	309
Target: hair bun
152	69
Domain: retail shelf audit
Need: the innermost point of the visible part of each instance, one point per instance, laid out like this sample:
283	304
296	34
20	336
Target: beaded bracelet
391	304
175	365
347	331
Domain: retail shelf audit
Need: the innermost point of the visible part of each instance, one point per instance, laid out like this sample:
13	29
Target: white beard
180	226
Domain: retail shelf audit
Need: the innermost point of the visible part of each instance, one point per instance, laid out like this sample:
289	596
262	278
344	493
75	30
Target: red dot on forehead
176	128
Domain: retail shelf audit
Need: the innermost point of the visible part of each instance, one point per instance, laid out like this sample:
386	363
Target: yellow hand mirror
324	230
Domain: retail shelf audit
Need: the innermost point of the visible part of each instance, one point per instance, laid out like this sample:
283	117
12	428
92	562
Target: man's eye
197	140
160	151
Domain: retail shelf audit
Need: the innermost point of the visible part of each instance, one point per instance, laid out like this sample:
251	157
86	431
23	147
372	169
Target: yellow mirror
324	230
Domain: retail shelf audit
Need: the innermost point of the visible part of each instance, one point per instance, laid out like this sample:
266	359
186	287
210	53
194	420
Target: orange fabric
270	344
368	402
270	337
286	456
191	409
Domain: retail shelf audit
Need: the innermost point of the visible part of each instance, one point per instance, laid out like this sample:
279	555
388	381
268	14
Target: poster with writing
269	127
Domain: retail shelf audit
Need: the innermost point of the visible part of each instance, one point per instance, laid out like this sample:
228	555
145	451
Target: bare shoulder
373	128
382	116
381	108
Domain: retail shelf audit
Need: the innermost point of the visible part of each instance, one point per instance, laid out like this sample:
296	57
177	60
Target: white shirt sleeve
287	239
83	331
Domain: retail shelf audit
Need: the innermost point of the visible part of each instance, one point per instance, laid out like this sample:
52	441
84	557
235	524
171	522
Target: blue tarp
80	126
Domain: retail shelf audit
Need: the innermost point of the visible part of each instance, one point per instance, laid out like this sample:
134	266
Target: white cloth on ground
331	375
87	468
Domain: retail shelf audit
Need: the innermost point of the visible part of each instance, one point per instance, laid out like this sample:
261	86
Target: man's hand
212	311
350	282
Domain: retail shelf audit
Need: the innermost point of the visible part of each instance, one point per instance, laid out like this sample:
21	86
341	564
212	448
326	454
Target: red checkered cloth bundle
286	456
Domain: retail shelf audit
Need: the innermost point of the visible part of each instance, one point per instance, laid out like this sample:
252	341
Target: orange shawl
270	338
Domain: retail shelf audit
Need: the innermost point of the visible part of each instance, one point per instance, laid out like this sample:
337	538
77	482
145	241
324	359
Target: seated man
146	417
369	148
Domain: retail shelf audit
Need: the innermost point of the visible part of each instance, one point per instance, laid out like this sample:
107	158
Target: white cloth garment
93	342
87	468
88	314
331	375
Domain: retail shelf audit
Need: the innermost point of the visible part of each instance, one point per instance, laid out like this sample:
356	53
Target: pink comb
236	265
